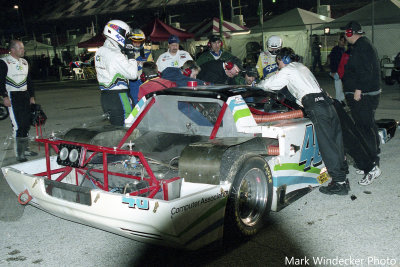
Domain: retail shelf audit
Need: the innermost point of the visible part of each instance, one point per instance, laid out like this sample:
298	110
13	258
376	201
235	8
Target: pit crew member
18	93
214	51
115	66
137	40
173	57
302	84
266	64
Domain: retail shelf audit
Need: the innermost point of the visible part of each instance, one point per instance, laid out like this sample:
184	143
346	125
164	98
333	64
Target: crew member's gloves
129	49
130	53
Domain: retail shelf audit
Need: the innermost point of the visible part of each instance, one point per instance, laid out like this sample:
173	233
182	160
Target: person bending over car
302	84
188	72
151	80
220	72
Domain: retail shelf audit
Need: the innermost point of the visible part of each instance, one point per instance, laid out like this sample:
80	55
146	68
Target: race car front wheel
250	197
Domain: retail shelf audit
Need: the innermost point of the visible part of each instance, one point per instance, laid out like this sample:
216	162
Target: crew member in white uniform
302	84
115	66
173	57
17	91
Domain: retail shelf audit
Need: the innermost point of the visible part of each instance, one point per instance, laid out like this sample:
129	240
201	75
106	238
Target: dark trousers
354	142
117	104
20	113
363	113
321	112
317	62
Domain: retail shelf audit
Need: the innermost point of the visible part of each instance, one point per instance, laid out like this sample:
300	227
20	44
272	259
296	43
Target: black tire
250	197
3	112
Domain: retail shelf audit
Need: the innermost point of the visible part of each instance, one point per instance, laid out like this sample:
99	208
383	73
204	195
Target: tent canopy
158	31
385	12
210	26
95	41
34	47
385	34
296	19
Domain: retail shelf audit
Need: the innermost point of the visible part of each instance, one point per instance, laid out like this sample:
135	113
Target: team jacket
153	85
114	69
14	76
166	60
266	65
209	56
362	70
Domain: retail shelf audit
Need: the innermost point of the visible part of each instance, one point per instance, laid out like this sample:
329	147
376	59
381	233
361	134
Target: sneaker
359	172
371	176
335	188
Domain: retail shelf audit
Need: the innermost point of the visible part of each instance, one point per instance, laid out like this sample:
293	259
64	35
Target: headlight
73	155
69	155
63	153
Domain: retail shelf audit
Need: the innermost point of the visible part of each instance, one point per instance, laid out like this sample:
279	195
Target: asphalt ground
361	229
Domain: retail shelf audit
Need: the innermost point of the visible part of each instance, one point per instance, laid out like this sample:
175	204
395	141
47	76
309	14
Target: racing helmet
274	44
137	36
117	30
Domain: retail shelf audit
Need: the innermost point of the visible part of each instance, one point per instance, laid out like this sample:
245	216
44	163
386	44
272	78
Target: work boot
21	144
28	152
335	188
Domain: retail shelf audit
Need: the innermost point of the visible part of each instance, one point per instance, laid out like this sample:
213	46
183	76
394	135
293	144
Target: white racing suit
15	83
266	65
114	70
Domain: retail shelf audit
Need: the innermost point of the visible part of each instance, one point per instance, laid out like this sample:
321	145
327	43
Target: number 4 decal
310	150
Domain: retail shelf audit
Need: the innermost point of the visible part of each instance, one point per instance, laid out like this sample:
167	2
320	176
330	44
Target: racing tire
3	112
250	197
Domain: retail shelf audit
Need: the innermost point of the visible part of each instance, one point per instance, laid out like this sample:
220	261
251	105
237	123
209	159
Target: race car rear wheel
250	197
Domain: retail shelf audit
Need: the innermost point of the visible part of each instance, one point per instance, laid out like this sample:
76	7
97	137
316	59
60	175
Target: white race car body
183	206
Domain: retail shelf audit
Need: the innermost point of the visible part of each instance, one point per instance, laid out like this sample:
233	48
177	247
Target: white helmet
117	30
274	43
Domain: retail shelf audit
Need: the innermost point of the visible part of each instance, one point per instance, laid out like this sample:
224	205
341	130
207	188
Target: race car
195	165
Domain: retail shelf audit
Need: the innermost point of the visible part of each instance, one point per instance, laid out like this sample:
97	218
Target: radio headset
187	72
229	65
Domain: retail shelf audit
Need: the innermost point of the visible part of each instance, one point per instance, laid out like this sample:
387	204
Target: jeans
338	87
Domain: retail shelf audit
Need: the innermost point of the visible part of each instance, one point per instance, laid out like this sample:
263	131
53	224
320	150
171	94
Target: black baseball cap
214	38
237	62
354	26
251	71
